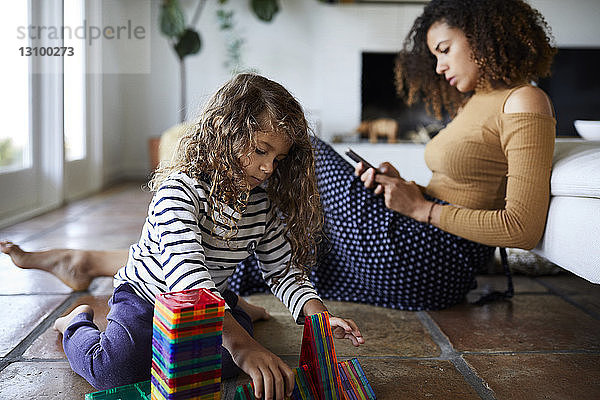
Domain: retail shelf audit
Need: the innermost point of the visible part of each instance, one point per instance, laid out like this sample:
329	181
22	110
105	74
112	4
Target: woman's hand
341	328
404	197
367	176
401	196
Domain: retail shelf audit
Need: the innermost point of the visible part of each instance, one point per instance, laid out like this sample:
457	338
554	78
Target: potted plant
186	40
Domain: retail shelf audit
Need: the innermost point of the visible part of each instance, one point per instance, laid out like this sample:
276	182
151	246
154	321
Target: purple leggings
122	354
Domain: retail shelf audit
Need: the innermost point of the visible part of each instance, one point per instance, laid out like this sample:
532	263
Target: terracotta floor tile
25	313
387	332
567	284
280	334
37	224
522	284
49	344
14	280
540	376
403	379
416	379
583	292
42	380
101	286
116	241
377	325
535	320
527	322
14	235
98	228
590	303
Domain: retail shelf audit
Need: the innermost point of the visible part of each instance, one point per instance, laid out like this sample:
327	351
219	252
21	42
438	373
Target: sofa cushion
572	235
576	169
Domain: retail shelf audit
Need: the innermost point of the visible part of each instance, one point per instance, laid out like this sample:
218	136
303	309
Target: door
80	90
30	178
48	150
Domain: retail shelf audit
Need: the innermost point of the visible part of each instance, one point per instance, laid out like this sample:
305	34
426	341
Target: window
74	82
15	135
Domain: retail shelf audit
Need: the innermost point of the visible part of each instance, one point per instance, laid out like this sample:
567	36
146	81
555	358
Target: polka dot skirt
377	256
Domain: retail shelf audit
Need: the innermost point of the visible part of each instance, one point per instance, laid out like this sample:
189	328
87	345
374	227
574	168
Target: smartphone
358	159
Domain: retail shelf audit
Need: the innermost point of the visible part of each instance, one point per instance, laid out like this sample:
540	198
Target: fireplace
574	88
380	100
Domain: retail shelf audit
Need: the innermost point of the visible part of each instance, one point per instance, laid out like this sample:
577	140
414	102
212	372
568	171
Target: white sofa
572	234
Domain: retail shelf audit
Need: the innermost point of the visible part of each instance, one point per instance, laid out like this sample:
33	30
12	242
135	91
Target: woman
395	244
410	247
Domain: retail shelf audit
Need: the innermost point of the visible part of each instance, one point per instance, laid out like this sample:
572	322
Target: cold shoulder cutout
528	99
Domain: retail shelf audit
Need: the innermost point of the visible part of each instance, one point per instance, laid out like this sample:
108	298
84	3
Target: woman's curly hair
225	133
511	43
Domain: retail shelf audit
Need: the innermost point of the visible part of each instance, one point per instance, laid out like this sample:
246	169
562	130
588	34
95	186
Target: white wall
313	49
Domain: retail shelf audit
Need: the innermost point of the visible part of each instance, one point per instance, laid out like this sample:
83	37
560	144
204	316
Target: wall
313	49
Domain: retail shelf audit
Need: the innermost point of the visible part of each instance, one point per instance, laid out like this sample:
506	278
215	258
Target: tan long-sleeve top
494	170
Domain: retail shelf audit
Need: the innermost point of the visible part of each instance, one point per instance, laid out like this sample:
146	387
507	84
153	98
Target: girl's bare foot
70	266
256	313
61	323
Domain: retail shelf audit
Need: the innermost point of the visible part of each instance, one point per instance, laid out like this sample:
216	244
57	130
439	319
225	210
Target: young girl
226	195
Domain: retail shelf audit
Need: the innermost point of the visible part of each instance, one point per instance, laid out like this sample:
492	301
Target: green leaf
172	21
265	10
189	43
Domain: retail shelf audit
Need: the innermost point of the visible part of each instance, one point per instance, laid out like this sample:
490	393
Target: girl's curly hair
225	133
511	43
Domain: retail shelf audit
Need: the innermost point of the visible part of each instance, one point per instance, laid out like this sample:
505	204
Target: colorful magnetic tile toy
320	376
187	365
305	388
186	345
245	392
318	353
136	391
354	381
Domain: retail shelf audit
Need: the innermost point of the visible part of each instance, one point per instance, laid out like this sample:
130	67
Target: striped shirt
178	250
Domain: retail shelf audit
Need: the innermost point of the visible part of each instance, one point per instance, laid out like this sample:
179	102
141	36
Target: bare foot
70	266
256	313
61	323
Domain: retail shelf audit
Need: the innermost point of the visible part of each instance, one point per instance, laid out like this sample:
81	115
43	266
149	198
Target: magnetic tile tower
186	345
318	353
320	376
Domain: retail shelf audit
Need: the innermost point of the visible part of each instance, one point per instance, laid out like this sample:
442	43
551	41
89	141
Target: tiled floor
544	344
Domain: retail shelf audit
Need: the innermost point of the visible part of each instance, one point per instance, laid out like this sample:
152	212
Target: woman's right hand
367	176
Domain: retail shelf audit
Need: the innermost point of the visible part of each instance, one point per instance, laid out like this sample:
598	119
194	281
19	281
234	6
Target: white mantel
407	157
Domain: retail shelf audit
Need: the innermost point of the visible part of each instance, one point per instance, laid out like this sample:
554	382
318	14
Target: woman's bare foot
256	313
70	266
61	323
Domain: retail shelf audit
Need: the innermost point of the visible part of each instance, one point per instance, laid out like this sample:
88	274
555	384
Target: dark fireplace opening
380	100
574	87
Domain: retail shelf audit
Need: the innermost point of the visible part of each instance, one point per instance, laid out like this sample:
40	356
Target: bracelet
429	215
